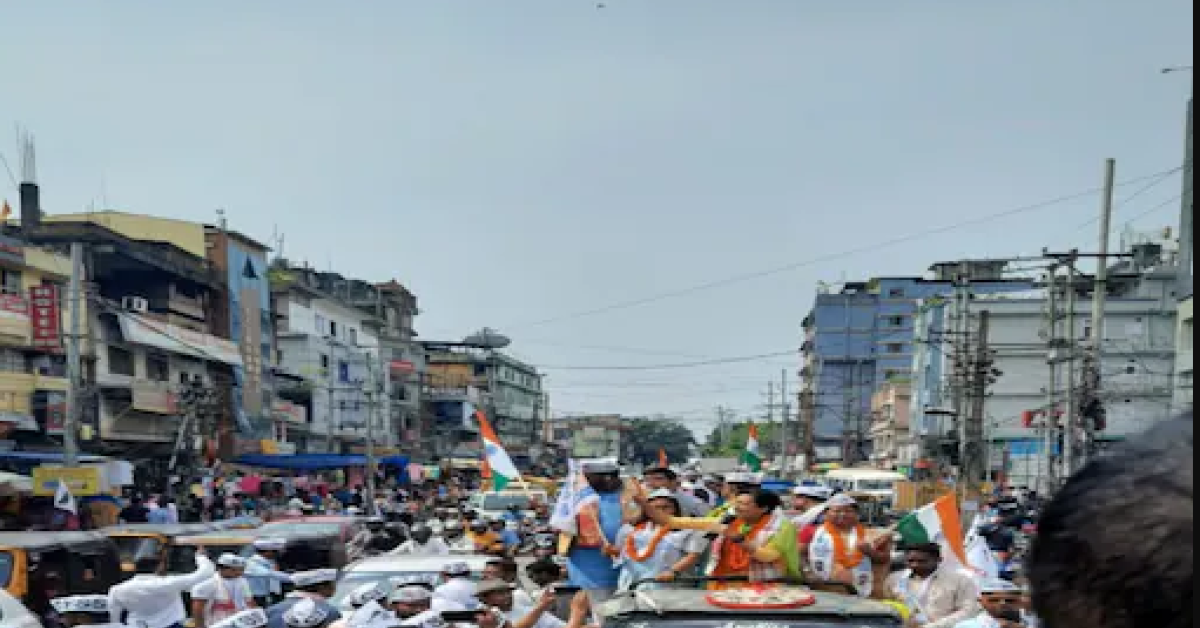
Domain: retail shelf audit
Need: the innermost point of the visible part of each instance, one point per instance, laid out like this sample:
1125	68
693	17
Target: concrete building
460	379
329	354
860	336
602	436
1184	340
1137	362
892	445
32	365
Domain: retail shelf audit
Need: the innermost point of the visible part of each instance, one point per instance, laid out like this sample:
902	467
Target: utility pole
785	441
372	390
973	456
74	363
1071	418
1050	424
771	408
1092	377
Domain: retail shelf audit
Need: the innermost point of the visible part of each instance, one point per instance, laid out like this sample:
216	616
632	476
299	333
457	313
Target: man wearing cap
150	600
736	483
78	611
588	545
809	501
458	588
307	613
262	571
663	478
422	543
249	618
413	605
842	549
317	585
1001	601
498	595
222	595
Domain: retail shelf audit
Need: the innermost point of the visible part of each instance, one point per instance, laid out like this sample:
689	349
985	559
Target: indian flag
750	456
940	523
501	466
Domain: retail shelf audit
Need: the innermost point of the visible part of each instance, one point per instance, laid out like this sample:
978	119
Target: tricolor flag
63	499
938	522
750	456
498	463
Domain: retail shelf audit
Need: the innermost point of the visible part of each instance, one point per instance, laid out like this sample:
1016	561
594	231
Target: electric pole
979	372
1070	349
1093	407
74	362
771	408
785	440
1050	423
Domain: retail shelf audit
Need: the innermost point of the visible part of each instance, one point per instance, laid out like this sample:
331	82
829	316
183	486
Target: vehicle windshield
134	548
750	621
504	502
875	485
6	567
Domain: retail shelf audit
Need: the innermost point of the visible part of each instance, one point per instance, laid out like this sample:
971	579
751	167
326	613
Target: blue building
246	316
862	336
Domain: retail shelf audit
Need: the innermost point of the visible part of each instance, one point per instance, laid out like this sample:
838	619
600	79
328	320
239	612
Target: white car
493	505
13	613
394	569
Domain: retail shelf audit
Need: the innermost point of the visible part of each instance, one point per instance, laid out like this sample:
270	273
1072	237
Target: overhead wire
676	365
742	278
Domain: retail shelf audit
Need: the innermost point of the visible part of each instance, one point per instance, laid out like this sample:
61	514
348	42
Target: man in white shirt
937	597
149	600
498	594
506	570
422	542
665	478
223	595
459	588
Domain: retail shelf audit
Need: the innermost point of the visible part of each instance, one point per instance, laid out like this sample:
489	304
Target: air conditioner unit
135	304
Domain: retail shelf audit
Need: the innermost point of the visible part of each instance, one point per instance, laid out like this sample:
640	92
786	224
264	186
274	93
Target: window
333	329
353	334
895	347
12	361
248	270
319	323
895	293
895	321
324	362
10	281
158	368
120	361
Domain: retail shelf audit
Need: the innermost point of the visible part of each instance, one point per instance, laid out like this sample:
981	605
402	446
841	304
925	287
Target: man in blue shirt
317	585
589	552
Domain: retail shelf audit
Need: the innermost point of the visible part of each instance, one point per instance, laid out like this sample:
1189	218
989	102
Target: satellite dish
487	338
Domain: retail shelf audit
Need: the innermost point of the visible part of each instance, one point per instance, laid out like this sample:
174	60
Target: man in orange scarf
842	550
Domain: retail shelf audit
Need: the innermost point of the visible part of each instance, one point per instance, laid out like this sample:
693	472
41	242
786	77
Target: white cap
841	499
996	585
80	604
742	477
314	577
367	593
812	491
425	581
662	493
305	614
410	594
457	568
270	544
372	615
599	466
249	618
231	561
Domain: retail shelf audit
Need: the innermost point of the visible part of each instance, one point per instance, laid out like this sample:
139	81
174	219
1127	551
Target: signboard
81	481
45	321
12	250
11	304
283	410
56	411
154	397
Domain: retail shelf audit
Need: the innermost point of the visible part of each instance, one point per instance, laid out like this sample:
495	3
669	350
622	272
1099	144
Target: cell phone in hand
566	589
461	616
1010	614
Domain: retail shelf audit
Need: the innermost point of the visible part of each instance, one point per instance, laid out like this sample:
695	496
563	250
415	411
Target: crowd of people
1113	550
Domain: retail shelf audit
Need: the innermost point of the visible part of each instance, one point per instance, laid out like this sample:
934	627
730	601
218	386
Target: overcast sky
520	163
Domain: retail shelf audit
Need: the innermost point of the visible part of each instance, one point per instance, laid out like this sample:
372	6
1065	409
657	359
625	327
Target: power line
1155	182
677	365
720	283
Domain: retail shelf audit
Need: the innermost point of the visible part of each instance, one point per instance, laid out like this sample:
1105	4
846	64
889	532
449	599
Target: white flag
63	500
981	562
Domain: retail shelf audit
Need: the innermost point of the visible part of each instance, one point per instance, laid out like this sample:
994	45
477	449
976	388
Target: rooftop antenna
222	223
277	238
28	159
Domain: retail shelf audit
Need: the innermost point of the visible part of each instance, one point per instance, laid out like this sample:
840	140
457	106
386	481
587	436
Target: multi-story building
861	336
149	335
892	445
329	354
1183	356
602	436
461	378
1136	363
32	366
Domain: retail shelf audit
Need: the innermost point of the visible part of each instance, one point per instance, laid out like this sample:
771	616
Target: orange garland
631	547
847	560
734	557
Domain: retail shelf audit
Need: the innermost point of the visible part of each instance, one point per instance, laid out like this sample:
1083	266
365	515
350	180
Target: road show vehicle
397	570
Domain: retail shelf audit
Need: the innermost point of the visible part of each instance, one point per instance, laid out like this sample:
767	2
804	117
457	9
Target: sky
586	177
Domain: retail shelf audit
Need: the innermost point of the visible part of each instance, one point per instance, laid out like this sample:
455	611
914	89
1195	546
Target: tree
647	435
730	441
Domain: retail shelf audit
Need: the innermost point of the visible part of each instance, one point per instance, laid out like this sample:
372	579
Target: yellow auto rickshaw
138	541
181	554
38	566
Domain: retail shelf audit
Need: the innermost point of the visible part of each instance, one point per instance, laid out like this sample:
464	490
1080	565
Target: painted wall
186	235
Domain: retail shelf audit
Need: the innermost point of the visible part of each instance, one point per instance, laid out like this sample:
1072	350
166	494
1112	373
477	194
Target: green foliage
730	441
647	435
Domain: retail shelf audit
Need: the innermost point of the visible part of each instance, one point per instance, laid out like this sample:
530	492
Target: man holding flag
587	537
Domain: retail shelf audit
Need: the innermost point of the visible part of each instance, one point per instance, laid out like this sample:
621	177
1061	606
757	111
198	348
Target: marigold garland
842	557
736	557
631	547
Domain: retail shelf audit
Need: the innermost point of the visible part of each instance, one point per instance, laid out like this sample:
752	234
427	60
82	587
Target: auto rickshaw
872	511
181	554
310	545
38	566
244	522
137	541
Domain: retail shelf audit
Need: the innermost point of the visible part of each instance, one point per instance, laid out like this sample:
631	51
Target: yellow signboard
81	481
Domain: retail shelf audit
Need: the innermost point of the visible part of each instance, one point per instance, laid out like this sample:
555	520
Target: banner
79	480
44	318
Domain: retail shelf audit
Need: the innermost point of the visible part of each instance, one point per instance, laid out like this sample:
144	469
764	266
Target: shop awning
313	462
45	456
145	331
